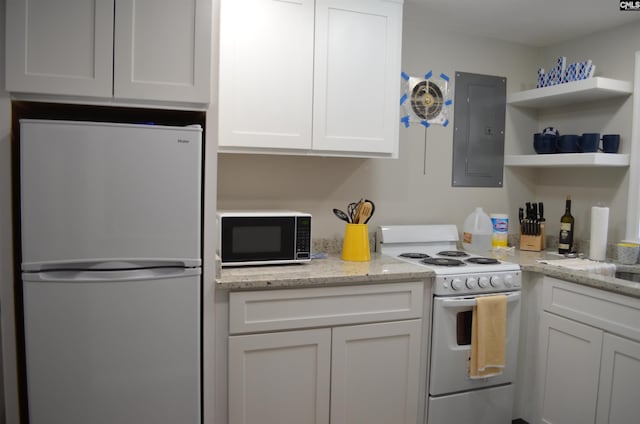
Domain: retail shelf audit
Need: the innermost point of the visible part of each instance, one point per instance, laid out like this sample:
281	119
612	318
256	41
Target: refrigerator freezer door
107	192
113	352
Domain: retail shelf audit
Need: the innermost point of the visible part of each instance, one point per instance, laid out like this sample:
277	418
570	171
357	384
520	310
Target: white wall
613	52
416	188
7	376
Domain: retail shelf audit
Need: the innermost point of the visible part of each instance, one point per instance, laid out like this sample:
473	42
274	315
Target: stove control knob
508	280
483	282
496	281
456	284
472	282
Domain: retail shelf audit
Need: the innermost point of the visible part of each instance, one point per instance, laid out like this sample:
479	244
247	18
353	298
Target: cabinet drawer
271	310
611	312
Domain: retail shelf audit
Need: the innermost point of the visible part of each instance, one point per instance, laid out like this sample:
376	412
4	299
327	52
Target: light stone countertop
322	272
529	262
381	269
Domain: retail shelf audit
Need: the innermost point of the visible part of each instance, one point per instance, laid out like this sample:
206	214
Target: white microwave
263	237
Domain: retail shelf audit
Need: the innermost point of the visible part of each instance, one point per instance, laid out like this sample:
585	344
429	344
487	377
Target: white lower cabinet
281	378
618	394
589	355
339	374
571	374
375	373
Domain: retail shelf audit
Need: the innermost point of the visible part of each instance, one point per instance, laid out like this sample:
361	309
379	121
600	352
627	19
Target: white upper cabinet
162	50
266	73
60	47
357	76
310	77
126	49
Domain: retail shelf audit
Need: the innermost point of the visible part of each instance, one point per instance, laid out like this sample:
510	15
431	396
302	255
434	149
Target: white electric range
457	272
460	278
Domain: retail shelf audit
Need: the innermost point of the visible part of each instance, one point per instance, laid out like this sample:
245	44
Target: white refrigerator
111	272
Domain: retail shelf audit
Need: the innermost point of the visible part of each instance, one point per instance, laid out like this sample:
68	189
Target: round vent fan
424	100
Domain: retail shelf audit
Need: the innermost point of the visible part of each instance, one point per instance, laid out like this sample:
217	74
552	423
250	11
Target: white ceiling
532	22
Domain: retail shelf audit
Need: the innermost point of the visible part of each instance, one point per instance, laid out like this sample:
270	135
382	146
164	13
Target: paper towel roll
599	227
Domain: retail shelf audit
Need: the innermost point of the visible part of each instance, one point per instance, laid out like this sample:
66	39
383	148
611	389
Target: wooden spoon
363	213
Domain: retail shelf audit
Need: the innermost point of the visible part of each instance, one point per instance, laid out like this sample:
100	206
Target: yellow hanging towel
488	336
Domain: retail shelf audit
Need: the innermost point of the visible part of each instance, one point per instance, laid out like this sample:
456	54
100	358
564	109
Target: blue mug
610	143
589	142
568	143
544	143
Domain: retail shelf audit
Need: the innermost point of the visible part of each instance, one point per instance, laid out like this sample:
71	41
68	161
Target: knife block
533	243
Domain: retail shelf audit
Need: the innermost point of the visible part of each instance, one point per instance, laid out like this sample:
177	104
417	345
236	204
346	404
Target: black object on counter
531	217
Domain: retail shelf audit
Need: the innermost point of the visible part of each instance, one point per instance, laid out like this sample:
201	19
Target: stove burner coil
413	255
453	253
442	262
483	261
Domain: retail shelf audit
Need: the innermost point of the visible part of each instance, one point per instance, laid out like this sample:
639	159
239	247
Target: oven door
451	345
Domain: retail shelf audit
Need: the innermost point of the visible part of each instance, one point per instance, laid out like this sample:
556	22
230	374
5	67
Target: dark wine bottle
565	240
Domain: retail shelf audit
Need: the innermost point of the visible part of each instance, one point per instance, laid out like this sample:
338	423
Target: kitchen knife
542	220
521	218
529	219
536	224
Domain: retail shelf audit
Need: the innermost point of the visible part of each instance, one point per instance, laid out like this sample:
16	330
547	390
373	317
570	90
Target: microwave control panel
303	237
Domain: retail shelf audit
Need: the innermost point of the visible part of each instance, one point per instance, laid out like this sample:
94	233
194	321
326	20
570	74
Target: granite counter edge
602	282
318	278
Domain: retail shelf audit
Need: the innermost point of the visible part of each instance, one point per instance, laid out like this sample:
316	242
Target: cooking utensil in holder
355	246
534	243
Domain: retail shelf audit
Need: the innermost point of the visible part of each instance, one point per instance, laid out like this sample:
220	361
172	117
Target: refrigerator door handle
82	276
111	264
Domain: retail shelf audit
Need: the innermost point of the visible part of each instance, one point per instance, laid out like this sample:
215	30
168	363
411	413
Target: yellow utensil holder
355	246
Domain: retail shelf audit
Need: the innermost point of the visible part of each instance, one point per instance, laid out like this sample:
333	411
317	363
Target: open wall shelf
590	89
568	160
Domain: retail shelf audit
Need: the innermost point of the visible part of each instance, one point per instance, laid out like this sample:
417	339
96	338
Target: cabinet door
375	373
280	378
357	76
60	47
570	354
162	50
619	376
266	73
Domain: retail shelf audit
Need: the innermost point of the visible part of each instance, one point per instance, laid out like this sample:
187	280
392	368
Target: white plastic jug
478	232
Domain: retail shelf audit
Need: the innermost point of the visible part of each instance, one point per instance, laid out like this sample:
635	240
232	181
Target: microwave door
258	240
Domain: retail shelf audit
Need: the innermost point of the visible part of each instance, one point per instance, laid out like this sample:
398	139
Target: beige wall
6	273
613	52
416	188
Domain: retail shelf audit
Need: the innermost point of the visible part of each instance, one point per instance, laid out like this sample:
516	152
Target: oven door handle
457	303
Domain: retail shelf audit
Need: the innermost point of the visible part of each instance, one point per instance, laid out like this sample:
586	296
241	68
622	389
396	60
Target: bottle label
500	225
467	238
565	226
566	236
